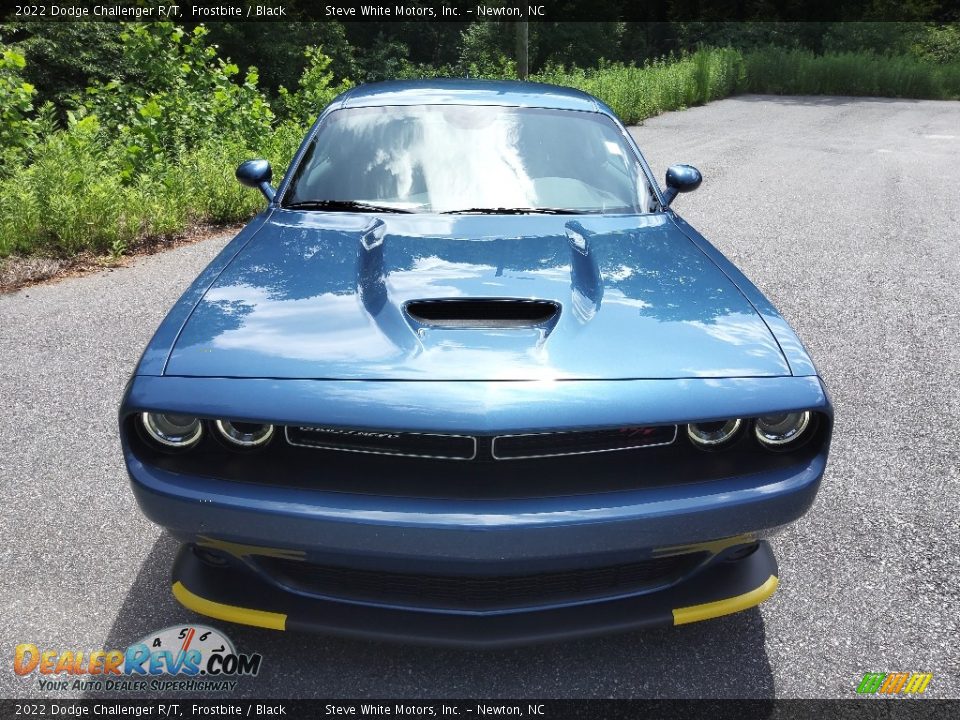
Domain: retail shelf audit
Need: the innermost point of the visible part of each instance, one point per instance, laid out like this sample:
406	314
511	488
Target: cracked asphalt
844	211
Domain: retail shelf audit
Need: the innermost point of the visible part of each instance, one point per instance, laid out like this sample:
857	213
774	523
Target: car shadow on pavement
719	658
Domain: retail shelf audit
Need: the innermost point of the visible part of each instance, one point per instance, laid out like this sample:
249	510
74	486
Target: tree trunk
523	46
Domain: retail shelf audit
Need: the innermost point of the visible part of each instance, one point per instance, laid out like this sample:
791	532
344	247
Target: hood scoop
483	313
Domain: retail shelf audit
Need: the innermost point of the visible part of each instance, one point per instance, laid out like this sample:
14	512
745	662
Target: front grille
385	442
471	592
468	447
516	447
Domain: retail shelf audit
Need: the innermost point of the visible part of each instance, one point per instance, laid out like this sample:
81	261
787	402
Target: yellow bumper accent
240	551
696	613
714	547
230	613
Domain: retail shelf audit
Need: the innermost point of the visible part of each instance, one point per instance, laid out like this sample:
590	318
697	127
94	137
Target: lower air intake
479	592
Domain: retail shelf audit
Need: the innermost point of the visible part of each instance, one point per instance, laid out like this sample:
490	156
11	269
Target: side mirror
257	174
681	179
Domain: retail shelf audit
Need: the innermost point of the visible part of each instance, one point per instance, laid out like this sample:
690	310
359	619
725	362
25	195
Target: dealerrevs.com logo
177	658
894	683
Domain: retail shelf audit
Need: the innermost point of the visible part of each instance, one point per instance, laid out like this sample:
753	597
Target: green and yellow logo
894	683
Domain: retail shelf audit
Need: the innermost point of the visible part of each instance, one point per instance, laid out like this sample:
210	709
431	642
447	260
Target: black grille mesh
468	447
387	442
515	447
478	592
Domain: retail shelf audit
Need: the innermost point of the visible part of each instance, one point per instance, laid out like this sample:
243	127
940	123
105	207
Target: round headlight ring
783	430
172	430
244	435
713	435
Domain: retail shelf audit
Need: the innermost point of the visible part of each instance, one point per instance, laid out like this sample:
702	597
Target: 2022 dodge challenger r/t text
469	379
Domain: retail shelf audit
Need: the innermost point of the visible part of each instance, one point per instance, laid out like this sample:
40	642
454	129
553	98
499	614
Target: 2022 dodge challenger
469	379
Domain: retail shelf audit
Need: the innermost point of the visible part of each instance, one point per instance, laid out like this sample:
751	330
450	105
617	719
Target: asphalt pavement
845	212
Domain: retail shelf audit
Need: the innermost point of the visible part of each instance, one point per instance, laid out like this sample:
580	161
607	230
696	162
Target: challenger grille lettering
381	442
354	433
464	447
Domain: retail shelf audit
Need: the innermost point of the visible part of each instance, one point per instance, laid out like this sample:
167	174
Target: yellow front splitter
727	606
278	621
234	594
230	613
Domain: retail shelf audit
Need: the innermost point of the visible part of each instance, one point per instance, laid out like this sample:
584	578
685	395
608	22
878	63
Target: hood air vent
483	313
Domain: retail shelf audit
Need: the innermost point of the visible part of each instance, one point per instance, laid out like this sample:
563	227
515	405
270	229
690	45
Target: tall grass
72	197
798	72
635	93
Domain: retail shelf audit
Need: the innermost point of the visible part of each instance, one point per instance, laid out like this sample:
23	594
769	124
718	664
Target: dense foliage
134	132
17	128
145	154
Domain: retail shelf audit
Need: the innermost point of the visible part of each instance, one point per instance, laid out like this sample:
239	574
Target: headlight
171	430
714	434
775	431
247	435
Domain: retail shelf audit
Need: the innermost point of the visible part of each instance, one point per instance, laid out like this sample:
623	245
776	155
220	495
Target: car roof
464	91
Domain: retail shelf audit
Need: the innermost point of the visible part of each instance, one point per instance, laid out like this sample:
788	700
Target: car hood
327	295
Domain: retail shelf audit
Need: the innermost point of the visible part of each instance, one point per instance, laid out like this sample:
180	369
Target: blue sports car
469	379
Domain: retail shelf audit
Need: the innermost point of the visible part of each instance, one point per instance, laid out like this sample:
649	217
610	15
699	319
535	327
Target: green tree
175	92
17	125
315	89
487	49
385	60
277	48
63	58
584	44
938	43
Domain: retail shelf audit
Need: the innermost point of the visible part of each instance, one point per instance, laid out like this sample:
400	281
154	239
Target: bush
148	155
176	94
938	43
17	129
71	198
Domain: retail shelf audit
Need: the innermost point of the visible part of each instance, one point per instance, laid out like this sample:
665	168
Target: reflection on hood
309	297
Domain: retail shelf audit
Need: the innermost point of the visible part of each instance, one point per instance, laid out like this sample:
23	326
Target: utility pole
523	47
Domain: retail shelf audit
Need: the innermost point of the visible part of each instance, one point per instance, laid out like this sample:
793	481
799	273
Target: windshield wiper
344	205
511	211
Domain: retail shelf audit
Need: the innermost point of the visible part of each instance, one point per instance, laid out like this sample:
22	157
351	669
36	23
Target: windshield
458	158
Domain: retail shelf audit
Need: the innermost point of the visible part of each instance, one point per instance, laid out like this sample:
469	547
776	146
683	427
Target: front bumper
472	536
232	594
450	536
